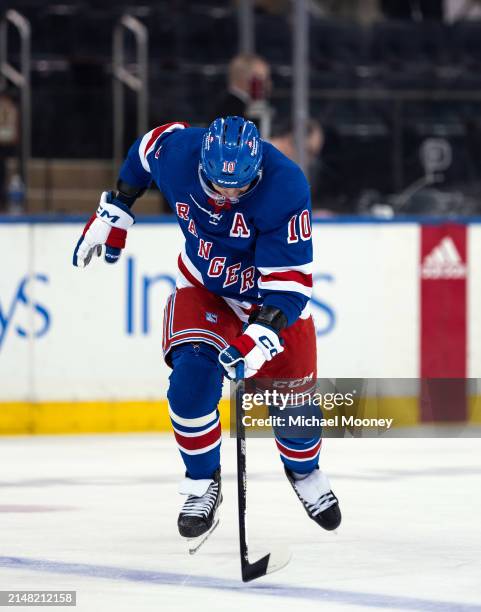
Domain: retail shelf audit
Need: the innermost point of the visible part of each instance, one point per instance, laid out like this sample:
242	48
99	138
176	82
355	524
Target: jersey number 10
299	225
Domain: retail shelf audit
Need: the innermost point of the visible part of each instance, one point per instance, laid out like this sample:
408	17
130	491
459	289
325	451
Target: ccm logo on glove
255	346
103	212
265	341
108	226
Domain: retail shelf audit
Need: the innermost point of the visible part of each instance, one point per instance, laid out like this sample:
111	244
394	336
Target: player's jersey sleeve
136	169
284	259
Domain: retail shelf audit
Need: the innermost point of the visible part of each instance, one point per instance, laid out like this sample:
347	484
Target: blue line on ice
371	600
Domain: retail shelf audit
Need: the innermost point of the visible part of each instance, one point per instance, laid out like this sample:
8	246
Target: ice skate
199	515
315	493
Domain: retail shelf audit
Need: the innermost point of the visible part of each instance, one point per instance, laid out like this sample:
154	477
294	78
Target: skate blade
195	543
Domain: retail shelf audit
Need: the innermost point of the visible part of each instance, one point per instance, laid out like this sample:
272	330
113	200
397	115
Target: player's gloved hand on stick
108	226
259	343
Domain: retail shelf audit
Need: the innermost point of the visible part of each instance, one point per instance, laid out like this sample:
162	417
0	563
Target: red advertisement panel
443	322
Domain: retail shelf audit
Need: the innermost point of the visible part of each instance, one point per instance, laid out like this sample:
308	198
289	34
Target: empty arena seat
273	35
466	43
337	45
205	37
396	44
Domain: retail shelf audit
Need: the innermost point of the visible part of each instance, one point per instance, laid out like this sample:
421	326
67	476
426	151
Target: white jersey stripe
303	269
181	281
278	285
190	266
241	309
143	153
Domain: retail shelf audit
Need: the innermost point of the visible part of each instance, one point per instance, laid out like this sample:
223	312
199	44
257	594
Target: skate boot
198	517
315	493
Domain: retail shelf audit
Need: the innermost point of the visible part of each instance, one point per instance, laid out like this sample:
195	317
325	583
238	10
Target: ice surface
97	514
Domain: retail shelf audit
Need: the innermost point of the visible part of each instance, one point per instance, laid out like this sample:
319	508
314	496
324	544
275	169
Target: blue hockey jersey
254	250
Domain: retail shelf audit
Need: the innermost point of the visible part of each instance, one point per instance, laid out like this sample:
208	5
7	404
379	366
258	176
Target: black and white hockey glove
259	343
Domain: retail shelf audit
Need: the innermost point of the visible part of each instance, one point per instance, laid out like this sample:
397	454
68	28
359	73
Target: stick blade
278	559
272	562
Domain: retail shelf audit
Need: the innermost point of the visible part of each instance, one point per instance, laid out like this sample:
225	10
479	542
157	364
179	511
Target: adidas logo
443	261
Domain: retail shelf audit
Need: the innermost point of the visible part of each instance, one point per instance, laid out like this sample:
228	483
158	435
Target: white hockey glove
259	343
108	226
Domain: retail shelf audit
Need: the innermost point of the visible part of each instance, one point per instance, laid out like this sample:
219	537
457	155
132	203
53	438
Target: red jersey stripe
296	277
159	130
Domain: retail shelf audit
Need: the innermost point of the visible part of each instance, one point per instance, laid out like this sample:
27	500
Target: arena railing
135	81
19	78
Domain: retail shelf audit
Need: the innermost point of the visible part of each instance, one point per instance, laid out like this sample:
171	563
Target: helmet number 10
229	166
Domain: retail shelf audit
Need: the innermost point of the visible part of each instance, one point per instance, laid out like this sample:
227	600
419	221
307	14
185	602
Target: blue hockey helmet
231	152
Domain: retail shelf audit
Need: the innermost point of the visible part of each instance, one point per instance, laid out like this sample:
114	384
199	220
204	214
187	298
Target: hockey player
243	290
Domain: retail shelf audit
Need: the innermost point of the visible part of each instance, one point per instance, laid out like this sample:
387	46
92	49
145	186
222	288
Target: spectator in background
462	9
285	142
362	11
248	80
9	139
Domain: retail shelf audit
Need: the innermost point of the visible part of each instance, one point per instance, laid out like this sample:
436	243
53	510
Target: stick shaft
241	465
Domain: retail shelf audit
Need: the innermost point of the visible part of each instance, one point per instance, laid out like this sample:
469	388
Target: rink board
137	416
80	350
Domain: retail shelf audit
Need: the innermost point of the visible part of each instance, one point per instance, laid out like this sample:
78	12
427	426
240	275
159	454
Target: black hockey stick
272	561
